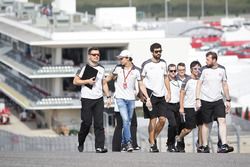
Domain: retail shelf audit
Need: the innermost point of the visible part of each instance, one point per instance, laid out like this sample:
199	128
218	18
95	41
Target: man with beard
154	74
209	97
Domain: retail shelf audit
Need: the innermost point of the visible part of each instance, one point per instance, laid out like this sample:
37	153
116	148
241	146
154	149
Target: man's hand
91	81
168	97
149	104
181	110
198	104
228	107
108	102
182	115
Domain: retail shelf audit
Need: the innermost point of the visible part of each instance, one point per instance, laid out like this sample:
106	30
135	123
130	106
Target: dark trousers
117	137
92	108
173	131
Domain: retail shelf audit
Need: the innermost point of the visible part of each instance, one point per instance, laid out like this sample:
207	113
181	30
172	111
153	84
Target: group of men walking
167	93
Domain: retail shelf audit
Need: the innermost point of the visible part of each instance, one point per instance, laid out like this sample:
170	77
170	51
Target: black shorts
210	111
198	118
190	116
160	109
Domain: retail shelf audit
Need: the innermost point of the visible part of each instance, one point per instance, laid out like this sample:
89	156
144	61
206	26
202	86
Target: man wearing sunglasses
154	74
173	106
92	101
212	82
181	75
187	104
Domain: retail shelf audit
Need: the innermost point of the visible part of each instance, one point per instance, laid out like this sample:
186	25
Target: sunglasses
95	54
172	70
122	58
157	51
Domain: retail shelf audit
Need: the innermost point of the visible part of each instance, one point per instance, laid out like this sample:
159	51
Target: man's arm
226	89
167	85
197	94
182	94
106	92
226	92
110	77
143	89
78	81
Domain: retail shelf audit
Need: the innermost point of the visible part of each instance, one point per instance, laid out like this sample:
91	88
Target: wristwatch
228	100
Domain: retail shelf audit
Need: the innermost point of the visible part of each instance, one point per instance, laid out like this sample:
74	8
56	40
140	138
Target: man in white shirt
154	74
209	97
173	106
187	102
127	75
92	102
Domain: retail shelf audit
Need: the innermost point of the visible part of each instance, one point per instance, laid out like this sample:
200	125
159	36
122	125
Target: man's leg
220	114
184	132
224	148
133	129
86	117
205	129
159	126
172	129
200	135
151	130
98	125
117	137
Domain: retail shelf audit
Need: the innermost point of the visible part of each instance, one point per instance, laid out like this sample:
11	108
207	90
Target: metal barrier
20	143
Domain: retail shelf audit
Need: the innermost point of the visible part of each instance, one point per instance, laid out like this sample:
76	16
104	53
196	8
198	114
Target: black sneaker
123	148
171	148
129	147
101	150
205	149
225	148
80	148
180	147
153	149
199	149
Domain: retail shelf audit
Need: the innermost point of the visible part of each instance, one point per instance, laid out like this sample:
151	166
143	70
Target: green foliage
176	8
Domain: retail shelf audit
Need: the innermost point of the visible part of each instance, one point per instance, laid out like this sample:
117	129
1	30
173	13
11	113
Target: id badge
125	85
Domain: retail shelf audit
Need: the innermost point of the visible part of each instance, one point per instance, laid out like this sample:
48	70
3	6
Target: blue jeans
126	109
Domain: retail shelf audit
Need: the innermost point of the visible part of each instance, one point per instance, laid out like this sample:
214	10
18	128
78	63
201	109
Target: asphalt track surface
111	159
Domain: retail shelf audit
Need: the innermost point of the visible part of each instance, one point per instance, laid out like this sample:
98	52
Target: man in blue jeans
126	75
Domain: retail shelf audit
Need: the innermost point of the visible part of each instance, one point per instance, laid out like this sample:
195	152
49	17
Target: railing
20	143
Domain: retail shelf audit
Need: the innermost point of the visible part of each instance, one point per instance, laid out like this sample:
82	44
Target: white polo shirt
189	86
97	90
154	76
175	87
211	87
130	77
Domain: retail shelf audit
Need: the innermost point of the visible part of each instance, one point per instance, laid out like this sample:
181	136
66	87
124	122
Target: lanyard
125	77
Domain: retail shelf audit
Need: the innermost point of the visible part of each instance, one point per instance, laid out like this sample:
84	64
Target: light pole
130	3
202	8
226	8
188	9
166	10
